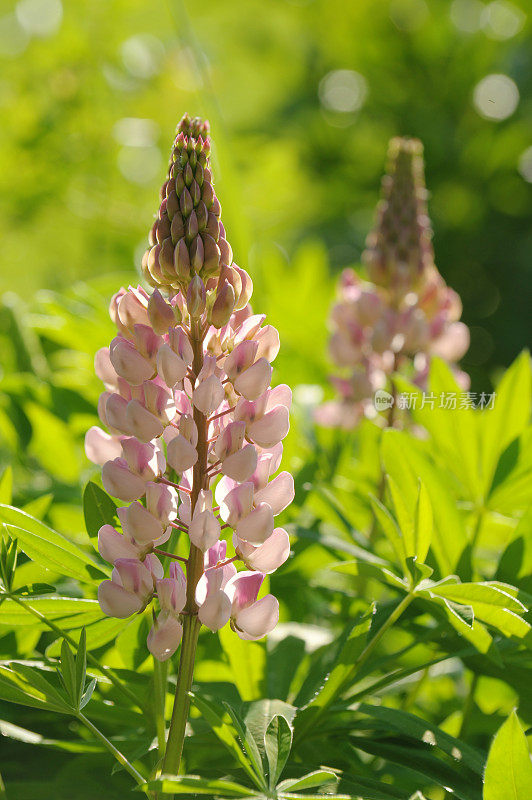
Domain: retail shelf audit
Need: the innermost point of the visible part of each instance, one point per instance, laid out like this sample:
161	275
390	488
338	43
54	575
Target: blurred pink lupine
195	430
405	313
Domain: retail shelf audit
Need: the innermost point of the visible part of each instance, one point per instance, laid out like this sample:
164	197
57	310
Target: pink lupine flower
266	557
251	618
166	632
131	586
193	424
382	327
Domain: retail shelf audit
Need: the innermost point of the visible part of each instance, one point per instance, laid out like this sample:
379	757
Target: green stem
176	735
120	757
160	670
191	624
107	671
468	706
391	620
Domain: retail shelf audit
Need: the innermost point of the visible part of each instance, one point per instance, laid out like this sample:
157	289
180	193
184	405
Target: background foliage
90	97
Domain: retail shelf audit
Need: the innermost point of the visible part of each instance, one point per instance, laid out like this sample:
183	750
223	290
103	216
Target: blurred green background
302	96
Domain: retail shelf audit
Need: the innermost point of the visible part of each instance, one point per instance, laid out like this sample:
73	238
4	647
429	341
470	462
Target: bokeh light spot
136	132
13	38
466	15
40	17
343	90
502	20
496	97
139	164
142	55
525	164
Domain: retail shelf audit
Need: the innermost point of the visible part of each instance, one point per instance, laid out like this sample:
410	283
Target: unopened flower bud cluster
195	431
404	313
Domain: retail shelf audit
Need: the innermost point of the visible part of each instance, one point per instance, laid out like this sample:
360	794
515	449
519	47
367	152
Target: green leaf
277	743
68	671
416	728
71	612
508	417
22	684
391	530
6	486
423	524
81	664
222	726
308	781
248	663
403	517
194	784
251	746
49	548
342	671
508	773
489	603
98	509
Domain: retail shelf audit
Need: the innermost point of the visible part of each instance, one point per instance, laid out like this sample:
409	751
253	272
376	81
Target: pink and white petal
258	619
278	493
100	447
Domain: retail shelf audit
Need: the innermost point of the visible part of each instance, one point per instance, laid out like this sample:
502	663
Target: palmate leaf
49	548
489	603
277	743
309	781
194	784
508	773
71	611
27	686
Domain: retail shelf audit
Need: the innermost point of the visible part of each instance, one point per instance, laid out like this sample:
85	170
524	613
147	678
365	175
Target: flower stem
390	621
191	623
120	757
160	670
176	735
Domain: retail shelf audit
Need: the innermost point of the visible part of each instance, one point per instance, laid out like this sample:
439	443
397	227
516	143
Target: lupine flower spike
404	313
194	430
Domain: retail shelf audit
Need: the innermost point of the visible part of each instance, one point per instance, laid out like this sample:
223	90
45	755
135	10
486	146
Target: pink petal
170	366
259	619
256	526
237	503
139	524
208	395
164	637
278	493
255	380
181	455
120	482
204	530
268	556
215	611
267	339
112	545
142	423
115	601
271	428
100	447
161	501
240	465
128	362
